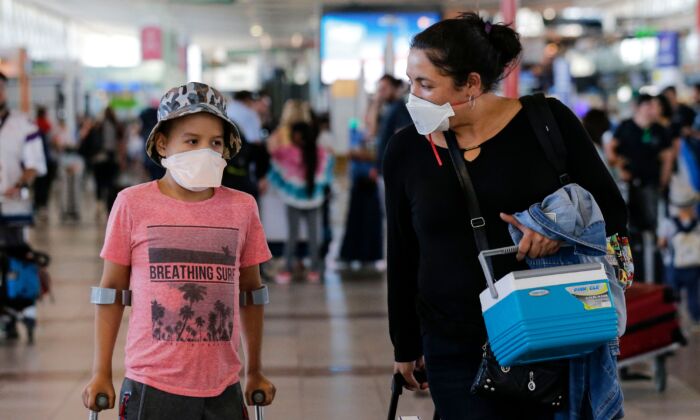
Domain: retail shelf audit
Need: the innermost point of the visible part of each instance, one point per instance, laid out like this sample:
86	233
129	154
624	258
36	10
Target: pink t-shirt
184	329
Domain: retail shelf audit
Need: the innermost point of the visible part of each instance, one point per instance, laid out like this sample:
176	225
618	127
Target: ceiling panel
224	25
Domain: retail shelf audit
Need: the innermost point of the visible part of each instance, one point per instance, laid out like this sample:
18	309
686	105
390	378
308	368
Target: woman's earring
472	102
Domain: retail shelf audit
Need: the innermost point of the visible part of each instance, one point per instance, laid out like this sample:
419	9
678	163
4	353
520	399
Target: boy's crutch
258	399
102	402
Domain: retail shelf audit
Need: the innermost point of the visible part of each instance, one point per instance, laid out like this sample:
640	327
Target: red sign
509	9
151	43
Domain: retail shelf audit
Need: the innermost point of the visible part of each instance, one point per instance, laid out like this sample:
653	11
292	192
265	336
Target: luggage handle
487	270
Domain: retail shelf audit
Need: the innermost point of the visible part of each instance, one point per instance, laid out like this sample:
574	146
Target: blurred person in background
70	171
22	156
247	171
294	111
42	185
682	116
21	162
149	118
393	115
668	118
326	141
300	171
363	239
242	110
102	146
642	153
597	123
679	236
696	99
263	106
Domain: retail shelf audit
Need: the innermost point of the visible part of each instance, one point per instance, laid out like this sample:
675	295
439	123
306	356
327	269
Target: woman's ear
161	143
474	84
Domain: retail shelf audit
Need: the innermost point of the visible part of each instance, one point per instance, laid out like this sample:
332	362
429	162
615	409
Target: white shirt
20	149
247	120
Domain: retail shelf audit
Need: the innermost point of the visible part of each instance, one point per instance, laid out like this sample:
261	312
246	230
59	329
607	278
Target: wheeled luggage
397	384
653	332
652	320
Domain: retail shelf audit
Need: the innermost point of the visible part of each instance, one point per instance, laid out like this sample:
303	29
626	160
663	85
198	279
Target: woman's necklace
465	152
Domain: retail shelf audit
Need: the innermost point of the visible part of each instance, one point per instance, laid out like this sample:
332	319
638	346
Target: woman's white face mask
427	116
196	170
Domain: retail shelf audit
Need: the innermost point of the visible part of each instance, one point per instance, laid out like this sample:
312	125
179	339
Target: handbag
542	383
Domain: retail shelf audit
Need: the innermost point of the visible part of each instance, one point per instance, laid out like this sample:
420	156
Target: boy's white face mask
196	170
427	116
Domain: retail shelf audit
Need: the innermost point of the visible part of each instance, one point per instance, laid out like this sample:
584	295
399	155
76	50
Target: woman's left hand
533	244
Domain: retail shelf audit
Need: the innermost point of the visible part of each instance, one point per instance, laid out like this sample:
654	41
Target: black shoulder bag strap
547	133
476	220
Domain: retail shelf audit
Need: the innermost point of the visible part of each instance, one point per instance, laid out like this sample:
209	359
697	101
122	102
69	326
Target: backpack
686	245
22	281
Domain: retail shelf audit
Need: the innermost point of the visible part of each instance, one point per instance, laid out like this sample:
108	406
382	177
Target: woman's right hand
406	370
99	384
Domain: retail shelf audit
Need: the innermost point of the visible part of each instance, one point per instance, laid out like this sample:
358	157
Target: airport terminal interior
353	227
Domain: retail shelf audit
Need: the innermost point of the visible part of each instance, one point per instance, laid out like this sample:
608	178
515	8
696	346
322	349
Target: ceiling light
297	40
549	13
256	30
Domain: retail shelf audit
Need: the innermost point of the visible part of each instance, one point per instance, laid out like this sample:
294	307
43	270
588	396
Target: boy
186	248
681	235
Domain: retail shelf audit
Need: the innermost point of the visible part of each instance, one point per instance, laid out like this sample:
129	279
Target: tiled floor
326	348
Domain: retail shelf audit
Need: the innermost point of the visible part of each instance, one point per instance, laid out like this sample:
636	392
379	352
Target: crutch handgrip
102	402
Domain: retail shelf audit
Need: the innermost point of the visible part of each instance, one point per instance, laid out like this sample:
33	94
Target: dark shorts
138	401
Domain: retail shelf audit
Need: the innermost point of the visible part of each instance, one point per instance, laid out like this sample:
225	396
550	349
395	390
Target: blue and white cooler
545	314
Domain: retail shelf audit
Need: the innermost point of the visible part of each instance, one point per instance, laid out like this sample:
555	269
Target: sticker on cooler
593	296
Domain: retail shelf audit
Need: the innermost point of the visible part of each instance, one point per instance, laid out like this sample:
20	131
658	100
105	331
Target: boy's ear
161	143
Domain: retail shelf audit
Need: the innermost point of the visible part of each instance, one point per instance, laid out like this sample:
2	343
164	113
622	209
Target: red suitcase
652	320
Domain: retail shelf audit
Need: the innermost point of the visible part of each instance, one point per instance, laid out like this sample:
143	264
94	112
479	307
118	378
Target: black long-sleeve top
432	256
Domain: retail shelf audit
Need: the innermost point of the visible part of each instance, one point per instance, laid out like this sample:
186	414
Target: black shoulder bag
543	383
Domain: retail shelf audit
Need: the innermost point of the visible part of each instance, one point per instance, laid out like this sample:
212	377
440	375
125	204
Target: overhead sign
669	51
151	43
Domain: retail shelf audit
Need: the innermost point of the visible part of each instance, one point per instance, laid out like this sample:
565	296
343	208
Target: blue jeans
451	366
688	278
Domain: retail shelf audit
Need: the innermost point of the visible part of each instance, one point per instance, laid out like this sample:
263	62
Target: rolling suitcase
397	384
652	320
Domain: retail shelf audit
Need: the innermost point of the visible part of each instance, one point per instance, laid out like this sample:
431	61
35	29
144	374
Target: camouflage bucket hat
188	99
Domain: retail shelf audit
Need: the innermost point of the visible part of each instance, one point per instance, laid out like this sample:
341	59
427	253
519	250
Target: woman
362	241
294	111
434	278
300	172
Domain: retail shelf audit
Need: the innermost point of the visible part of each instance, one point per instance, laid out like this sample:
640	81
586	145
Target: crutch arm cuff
259	296
107	296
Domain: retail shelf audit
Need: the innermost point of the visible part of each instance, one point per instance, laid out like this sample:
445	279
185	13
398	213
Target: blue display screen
355	41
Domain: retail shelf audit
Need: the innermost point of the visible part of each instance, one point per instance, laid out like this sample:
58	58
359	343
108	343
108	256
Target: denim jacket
571	215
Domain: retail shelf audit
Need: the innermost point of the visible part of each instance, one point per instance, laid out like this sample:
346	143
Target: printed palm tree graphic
211	327
157	314
192	293
186	313
199	322
223	313
218	323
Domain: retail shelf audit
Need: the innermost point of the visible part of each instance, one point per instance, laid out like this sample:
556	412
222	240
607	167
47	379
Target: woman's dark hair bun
470	44
506	41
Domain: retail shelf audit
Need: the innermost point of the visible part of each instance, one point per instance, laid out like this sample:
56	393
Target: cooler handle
487	268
